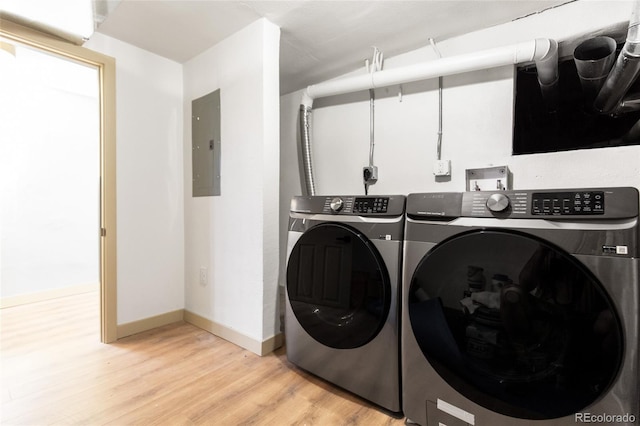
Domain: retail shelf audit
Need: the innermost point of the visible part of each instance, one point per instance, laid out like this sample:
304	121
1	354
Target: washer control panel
567	203
525	203
552	204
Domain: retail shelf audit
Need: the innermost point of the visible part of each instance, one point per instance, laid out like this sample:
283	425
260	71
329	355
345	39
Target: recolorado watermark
605	418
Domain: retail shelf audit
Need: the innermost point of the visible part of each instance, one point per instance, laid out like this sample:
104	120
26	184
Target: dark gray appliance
343	274
521	307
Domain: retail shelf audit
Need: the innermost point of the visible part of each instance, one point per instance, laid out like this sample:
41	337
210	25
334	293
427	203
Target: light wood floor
56	372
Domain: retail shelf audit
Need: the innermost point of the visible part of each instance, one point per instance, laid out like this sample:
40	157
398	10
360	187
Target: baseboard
135	327
233	336
41	296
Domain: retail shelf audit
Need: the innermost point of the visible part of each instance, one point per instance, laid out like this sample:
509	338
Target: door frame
106	67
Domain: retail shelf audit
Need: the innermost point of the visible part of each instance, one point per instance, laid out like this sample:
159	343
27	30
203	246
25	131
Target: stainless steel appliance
343	275
521	307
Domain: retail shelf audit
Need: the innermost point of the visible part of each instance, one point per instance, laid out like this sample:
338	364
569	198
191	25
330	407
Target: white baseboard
40	296
135	327
233	336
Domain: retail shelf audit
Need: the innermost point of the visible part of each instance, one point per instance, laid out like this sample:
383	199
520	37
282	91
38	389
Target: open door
106	69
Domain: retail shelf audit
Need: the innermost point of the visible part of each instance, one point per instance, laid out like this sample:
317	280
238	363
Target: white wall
477	123
150	216
235	235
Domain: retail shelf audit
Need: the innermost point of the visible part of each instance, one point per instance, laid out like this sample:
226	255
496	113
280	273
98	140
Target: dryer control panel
391	205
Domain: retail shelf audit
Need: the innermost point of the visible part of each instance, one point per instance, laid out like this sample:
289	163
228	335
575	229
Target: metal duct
626	69
594	58
305	141
540	51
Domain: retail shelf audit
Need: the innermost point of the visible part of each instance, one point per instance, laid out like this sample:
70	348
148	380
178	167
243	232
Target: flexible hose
305	145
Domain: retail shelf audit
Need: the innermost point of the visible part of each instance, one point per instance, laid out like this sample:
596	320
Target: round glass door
338	286
515	324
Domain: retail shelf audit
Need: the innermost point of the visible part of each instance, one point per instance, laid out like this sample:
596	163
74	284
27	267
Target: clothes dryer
343	284
521	307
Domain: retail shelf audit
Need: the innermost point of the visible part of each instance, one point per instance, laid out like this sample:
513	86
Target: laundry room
456	122
476	131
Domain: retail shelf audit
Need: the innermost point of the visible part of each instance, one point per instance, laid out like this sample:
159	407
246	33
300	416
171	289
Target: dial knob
497	202
337	204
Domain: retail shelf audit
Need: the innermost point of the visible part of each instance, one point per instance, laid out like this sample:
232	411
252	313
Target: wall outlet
204	276
442	168
370	175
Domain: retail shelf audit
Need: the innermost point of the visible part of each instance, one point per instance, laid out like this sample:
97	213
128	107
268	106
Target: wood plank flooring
55	371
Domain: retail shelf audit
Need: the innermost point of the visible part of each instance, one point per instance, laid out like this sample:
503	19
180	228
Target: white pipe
533	50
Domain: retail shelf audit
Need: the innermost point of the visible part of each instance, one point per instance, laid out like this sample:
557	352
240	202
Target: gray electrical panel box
205	149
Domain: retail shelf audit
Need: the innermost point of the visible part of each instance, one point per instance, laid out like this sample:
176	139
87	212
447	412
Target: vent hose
594	58
305	138
626	69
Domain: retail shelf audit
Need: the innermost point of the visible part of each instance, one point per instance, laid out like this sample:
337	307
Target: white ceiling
319	39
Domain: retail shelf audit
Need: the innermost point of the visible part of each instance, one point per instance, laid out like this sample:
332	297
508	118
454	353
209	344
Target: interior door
338	286
515	324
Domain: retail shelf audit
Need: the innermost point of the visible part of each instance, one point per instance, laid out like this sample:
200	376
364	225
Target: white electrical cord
374	66
376	62
439	144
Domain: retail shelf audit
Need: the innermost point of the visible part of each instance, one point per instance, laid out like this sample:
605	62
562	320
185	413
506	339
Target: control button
497	202
337	204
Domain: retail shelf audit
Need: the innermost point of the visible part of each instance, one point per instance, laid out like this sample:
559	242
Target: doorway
49	176
83	202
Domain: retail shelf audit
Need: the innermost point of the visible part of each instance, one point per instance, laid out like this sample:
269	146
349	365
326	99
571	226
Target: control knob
337	204
497	202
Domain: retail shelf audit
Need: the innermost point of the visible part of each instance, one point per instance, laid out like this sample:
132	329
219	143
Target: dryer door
338	286
515	324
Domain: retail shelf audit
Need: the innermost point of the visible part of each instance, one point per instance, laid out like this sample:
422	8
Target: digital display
371	205
567	203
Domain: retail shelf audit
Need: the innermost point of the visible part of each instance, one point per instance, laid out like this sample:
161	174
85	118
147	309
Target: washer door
515	324
338	286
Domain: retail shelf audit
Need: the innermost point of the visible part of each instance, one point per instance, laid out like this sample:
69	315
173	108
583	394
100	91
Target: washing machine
343	283
521	307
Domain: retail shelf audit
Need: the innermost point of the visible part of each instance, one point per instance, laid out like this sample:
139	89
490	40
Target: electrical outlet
370	175
203	276
442	168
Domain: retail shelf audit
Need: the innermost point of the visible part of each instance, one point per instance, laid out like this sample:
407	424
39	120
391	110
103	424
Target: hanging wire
374	66
440	79
372	116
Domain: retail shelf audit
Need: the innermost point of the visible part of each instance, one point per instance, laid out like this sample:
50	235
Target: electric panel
206	149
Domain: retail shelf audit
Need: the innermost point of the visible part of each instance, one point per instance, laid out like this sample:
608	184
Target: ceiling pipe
538	51
626	69
535	50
